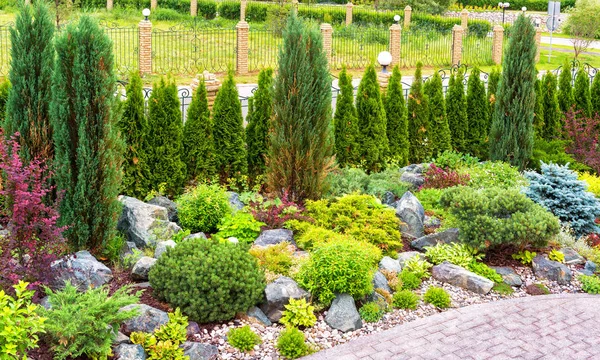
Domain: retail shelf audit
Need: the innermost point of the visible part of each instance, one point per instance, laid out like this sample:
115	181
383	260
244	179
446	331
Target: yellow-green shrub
277	259
593	182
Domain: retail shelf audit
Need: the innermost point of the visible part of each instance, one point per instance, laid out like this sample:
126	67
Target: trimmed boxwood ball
202	208
208	280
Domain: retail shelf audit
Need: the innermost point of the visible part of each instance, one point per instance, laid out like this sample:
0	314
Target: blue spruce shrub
558	190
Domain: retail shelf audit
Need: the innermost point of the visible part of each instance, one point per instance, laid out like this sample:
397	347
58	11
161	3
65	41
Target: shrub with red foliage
275	213
34	240
441	178
582	134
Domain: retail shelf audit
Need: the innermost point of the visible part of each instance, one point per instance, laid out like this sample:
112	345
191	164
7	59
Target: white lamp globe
146	12
524	8
384	58
396	18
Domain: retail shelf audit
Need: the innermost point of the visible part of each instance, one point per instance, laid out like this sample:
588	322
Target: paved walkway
541	327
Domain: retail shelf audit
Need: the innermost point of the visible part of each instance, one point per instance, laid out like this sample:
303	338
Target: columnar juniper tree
397	122
260	109
493	81
456	111
164	140
418	120
538	111
477	113
439	131
4	90
371	122
87	145
301	140
511	136
345	123
595	95
551	127
565	87
32	55
582	95
198	144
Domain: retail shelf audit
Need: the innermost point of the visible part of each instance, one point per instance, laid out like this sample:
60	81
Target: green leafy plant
482	269
202	208
456	253
525	256
418	267
590	284
371	312
455	160
243	338
409	280
354	180
405	299
494	174
130	259
291	343
277	259
556	255
438	297
242	226
298	313
178	237
164	343
20	323
503	289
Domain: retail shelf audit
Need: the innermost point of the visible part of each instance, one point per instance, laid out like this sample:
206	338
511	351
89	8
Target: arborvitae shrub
551	125
345	123
371	122
439	131
477	114
582	95
257	131
397	121
511	136
87	144
456	110
565	87
492	88
418	120
595	95
538	111
209	281
202	208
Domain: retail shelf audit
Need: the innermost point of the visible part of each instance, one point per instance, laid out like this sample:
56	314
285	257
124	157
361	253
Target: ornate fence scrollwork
125	46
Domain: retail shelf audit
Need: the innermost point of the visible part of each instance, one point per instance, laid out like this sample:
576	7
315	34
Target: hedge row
532	5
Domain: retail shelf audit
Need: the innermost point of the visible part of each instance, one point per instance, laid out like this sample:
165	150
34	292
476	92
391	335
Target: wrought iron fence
477	50
263	49
357	47
125	46
576	65
430	48
5	48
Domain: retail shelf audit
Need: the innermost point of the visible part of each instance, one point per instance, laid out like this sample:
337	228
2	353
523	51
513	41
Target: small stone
509	276
380	282
259	315
274	237
192	328
234	201
233	240
458	276
551	270
200	235
388	198
278	294
572	257
45	303
130	352
389	264
199	351
142	268
162	246
432	221
148	320
445	237
590	266
342	314
121	339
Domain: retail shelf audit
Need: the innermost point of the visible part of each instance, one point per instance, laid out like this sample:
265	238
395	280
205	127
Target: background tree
198	143
511	136
439	131
345	123
493	81
477	113
87	144
418	120
164	140
538	111
551	126
228	131
301	141
32	62
565	87
257	131
595	95
456	110
583	24
582	95
397	122
371	122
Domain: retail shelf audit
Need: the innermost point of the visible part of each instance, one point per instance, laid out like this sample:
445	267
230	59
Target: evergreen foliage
538	111
260	108
198	145
228	132
32	62
4	90
418	120
345	123
595	95
87	146
492	89
164	140
439	131
301	140
477	113
551	123
582	95
565	87
371	122
456	110
511	136
397	122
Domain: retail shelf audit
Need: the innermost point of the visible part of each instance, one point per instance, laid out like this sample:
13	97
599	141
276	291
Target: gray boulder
145	224
142	268
404	256
509	276
380	282
128	249
457	276
411	213
233	240
432	221
45	303
200	235
234	201
162	246
278	294
389	264
589	269
171	207
414	168
130	352
257	314
148	320
274	237
445	237
342	315
388	198
192	328
199	351
551	270
377	298
572	257
82	270
415	180
121	339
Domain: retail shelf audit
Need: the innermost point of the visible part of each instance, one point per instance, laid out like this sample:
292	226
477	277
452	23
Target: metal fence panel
430	48
356	47
125	46
477	50
5	49
263	49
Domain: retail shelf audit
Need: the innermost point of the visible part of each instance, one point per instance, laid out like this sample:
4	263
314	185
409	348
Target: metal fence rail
5	48
357	47
477	50
263	49
430	48
125	46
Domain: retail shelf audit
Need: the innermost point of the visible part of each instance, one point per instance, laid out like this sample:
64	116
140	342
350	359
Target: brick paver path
539	327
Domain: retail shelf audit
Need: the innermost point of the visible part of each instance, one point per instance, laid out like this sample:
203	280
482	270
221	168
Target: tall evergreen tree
32	63
493	81
397	122
565	87
88	150
582	95
511	136
595	95
538	111
257	131
551	127
4	90
164	140
418	120
371	122
198	143
228	131
345	123
439	131
477	114
456	111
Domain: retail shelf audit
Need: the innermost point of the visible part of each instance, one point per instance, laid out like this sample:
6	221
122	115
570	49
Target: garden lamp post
384	59
397	19
503	6
146	13
524	8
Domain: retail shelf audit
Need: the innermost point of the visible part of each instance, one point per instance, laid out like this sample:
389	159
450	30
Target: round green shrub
243	338
437	297
409	280
405	299
291	343
208	280
203	208
371	312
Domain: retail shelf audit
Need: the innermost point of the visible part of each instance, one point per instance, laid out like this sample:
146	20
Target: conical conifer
456	111
595	95
257	131
551	125
477	113
397	121
582	95
565	88
418	120
439	131
4	90
345	123
538	111
493	81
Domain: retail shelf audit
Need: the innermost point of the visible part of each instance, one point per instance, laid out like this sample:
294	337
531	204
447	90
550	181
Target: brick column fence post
497	44
153	4
407	15
109	5
327	32
457	37
241	64
349	7
395	44
243	5
464	19
194	7
538	43
145	44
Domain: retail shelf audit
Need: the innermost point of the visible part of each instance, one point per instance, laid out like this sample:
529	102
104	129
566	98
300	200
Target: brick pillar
538	42
407	14
497	44
212	86
194	7
295	5
457	36
243	5
464	19
145	47
327	31
349	7
153	4
395	44
242	48
109	5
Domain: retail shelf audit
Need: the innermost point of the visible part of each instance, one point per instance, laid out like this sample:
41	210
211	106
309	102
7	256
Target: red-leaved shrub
275	213
441	178
582	135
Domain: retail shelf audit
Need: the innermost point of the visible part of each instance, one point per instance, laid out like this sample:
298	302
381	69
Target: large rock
278	294
234	201
572	257
589	268
82	270
130	352
389	264
458	276
509	276
445	237
415	180
145	224
551	270
404	256
380	282
171	207
148	320
199	235
414	168
142	268
389	199
162	247
274	237
411	213
199	351
259	316
121	339
342	315
128	249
